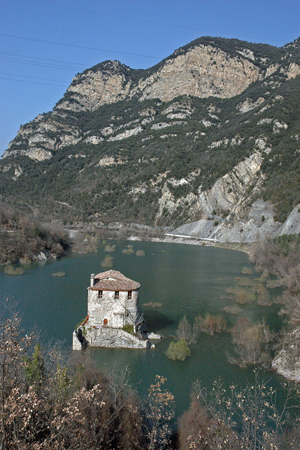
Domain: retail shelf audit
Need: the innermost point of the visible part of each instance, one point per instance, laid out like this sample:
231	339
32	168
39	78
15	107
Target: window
129	295
100	293
117	296
105	322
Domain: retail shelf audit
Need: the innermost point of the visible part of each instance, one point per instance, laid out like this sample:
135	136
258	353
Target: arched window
105	322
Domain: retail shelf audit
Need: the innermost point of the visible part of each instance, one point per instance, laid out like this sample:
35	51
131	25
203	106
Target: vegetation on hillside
23	238
210	139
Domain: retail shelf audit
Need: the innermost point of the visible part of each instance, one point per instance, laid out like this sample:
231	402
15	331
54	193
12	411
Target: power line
153	22
115	16
32	63
35	78
77	46
44	59
31	82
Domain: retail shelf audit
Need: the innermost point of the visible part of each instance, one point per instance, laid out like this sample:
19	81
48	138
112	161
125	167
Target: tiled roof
112	280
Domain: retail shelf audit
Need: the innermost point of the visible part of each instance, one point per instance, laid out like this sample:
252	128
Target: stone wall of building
111	311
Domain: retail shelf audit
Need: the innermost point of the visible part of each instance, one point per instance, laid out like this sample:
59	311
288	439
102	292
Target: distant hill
206	140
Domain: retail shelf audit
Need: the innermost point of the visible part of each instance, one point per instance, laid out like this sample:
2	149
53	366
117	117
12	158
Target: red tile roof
112	280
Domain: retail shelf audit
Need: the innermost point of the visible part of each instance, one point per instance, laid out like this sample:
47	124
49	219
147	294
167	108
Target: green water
185	279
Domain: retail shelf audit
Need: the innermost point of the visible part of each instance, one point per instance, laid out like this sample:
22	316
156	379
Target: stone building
112	304
112	300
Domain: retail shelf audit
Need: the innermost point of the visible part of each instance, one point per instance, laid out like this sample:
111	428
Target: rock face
111	338
287	362
230	194
202	71
205	142
92	89
42	136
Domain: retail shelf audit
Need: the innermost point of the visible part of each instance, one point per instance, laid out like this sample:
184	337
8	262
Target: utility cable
43	59
77	46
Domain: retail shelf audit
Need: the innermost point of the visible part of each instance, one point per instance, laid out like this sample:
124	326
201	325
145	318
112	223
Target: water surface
185	279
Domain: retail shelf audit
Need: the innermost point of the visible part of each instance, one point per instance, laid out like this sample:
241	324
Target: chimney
92	280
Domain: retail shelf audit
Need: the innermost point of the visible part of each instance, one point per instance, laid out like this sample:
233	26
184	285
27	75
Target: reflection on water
184	279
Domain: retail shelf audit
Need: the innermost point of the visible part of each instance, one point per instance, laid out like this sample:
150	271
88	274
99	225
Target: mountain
207	140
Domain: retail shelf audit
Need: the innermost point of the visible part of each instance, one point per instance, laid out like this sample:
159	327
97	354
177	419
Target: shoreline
193	240
86	238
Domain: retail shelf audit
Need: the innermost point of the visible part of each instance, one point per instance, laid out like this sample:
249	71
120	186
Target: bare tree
251	343
185	332
247	419
158	410
13	347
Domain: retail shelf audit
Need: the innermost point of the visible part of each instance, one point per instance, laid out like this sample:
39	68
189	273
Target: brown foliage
158	411
74	406
281	257
22	237
251	343
70	404
211	324
233	419
193	427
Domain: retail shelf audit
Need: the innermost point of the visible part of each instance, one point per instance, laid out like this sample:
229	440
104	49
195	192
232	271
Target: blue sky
44	43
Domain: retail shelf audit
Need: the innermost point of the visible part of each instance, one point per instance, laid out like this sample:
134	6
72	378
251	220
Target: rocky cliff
208	139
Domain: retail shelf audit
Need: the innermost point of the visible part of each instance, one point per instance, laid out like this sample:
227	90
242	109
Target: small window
100	293
129	295
117	295
105	322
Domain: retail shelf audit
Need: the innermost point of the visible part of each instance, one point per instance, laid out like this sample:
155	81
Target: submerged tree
251	343
186	332
211	324
178	350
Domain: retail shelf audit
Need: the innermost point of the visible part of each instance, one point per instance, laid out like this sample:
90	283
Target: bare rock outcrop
203	71
229	215
110	338
94	88
287	361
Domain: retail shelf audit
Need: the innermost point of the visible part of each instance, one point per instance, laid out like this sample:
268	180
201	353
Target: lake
185	279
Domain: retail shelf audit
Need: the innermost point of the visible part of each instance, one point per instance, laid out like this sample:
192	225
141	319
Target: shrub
178	350
128	328
242	295
211	324
247	271
185	332
107	262
128	250
251	343
10	270
110	248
